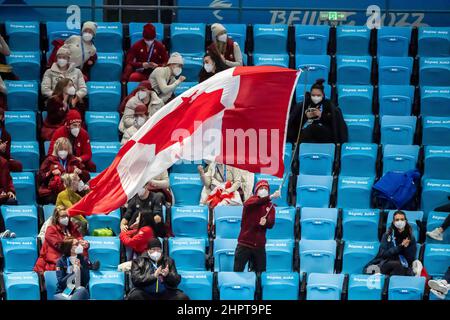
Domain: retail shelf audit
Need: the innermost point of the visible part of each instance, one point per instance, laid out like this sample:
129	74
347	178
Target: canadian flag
237	117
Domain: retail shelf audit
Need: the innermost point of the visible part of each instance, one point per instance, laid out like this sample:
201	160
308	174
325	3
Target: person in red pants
144	56
5	146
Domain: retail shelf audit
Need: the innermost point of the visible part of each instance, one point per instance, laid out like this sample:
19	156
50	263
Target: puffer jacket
54	74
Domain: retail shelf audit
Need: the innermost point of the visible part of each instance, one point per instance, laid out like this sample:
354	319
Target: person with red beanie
144	56
258	215
78	137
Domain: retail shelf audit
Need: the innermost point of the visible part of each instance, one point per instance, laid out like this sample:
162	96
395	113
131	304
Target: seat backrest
23	35
354	70
358	159
103	153
22	286
396	100
109	37
197	285
277	60
237	285
365	287
22	220
107	285
436	131
395	70
280	255
324	286
434	72
436	259
104	96
238	32
317	256
186	188
106	250
189	253
406	288
21	125
59	30
394	41
400	158
398	129
313	191
318	224
435	193
102	220
315	67
284	224
227	221
224	250
280	285
190	221
24	184
435	101
352	40
316	158
20	254
22	95
434	41
51	284
311	39
270	38
354	192
187	38
26	64
360	224
355	99
357	254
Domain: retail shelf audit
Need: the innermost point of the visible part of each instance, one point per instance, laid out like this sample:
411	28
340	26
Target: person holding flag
258	215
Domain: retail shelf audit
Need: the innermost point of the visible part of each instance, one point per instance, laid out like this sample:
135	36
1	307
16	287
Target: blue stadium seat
436	259
435	220
393	41
358	159
355	99
51	283
398	129
22	95
27	152
58	30
107	285
274	184
101	220
103	153
287	157
435	101
280	285
354	192
311	39
224	254
102	126
184	86
357	254
26	65
280	255
190	221
270	38
104	96
22	220
284	224
185	166
23	35
106	250
434	42
21	125
395	70
314	191
272	59
109	37
412	217
108	67
299	90
316	158
187	38
365	287
436	131
434	194
237	285
25	186
131	86
227	221
186	188
20	254
324	286
192	65
318	68
48	210
406	288
354	69
434	72
400	157
136	28
22	286
238	32
189	253
352	40
317	256
396	100
318	223
197	285
360	128
360	224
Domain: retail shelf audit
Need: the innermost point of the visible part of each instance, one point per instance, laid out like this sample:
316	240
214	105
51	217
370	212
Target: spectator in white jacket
140	117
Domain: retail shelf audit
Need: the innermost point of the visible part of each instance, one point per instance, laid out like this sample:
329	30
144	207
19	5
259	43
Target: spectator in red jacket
78	137
60	228
7	191
144	56
5	146
258	215
136	238
54	166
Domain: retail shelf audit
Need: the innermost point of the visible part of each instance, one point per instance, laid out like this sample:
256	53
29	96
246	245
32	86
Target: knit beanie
64	50
149	32
90	25
262	183
217	28
175	58
154	243
72	117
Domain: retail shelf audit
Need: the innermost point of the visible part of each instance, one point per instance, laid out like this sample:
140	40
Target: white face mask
400	224
79	249
142	95
63	154
177	71
316	99
208	67
75	131
71	91
262	193
155	256
87	36
62	62
149	42
140	121
64	221
222	37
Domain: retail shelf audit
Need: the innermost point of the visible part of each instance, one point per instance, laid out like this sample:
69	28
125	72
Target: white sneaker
12	235
439	285
417	267
436	235
438	294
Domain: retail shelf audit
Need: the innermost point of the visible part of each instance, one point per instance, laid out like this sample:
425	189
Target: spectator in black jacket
397	252
155	277
212	64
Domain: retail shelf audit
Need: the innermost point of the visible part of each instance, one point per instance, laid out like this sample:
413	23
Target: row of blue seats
191	38
204	285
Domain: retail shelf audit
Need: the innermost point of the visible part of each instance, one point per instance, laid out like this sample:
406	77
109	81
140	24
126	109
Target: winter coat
76	57
233	54
54	74
164	83
137	239
56	115
81	144
5	137
67	198
62	276
6	182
